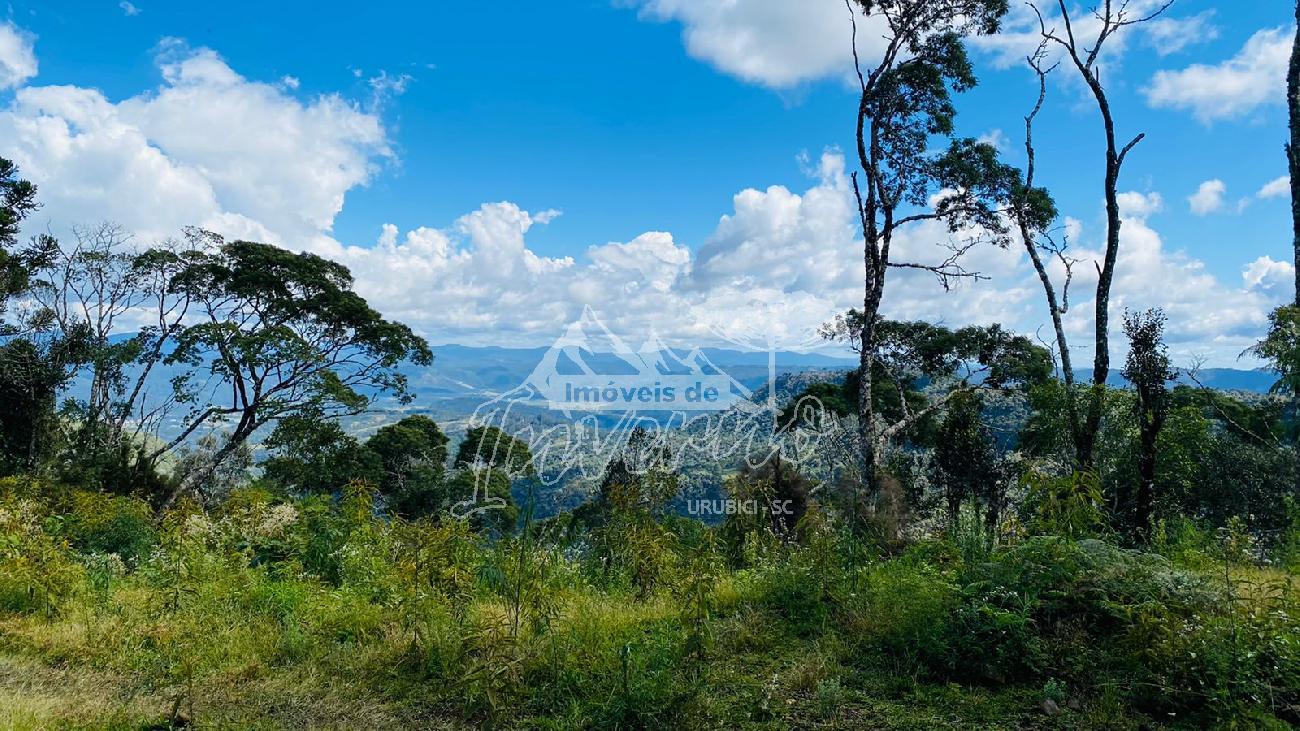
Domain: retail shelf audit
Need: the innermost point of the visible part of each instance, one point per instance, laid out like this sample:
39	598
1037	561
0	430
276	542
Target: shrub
36	571
100	523
1069	506
793	594
905	614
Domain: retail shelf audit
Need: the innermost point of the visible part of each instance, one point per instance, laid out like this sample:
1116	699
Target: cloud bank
252	159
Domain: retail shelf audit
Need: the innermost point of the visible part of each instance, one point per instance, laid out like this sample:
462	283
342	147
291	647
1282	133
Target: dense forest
991	536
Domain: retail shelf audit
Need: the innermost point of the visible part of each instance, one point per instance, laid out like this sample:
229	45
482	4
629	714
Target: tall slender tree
1034	212
1293	166
1293	147
1112	17
1147	368
905	104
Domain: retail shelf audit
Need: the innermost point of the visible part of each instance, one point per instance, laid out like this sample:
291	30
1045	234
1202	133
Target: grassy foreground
283	614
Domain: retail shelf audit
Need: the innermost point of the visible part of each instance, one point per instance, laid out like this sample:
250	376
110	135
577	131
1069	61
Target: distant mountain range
460	370
464	377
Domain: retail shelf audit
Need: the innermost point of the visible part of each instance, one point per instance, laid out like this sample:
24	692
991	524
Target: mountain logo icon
589	368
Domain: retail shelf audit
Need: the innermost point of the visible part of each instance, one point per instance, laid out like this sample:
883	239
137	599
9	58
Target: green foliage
917	351
30	379
698	603
99	523
967	466
426	620
1281	348
315	456
489	446
285	334
1147	368
1288	550
37	573
412	457
1069	506
17	202
1047	432
488	488
772	500
903	614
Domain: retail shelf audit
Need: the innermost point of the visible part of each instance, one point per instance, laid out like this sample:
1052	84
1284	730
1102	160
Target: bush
792	593
100	523
905	616
37	573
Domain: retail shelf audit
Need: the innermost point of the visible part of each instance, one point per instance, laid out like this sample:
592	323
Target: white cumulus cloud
207	147
775	43
1255	77
1273	278
245	158
1276	188
17	56
1208	198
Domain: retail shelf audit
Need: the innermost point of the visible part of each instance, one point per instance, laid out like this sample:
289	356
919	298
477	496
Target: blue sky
628	118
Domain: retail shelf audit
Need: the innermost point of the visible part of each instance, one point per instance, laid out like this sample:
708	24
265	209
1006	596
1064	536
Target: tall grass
278	613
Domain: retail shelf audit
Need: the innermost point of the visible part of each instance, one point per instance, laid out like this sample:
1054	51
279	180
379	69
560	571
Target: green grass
261	616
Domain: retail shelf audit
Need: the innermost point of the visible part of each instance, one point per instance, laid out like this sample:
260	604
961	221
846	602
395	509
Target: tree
17	202
640	476
919	368
1112	17
489	446
781	490
413	462
1281	348
30	379
1034	211
86	290
315	456
225	472
34	365
1293	166
485	458
1147	368
277	335
486	485
919	359
965	462
906	101
1293	147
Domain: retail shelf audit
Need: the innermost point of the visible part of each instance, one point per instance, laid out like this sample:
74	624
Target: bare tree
1293	166
1112	17
1293	148
1034	211
95	290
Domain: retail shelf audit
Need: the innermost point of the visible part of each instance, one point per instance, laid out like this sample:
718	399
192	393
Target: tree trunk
1293	165
190	482
1106	274
1144	507
1055	306
866	405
